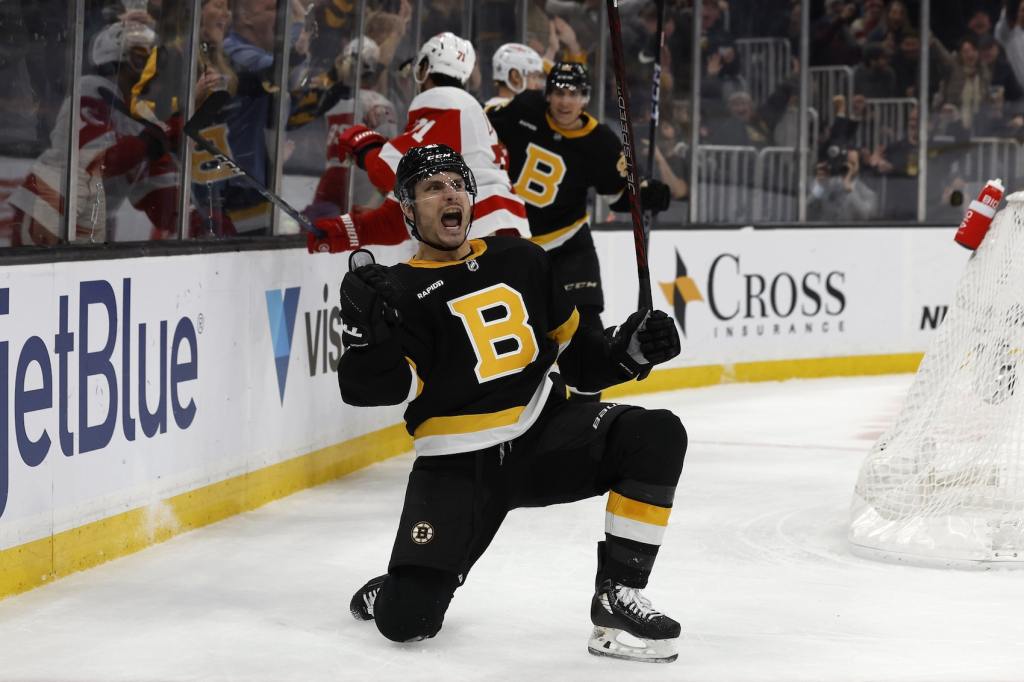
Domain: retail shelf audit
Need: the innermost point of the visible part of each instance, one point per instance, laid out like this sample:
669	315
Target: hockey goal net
945	484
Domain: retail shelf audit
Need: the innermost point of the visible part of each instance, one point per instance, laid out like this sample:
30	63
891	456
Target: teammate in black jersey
473	331
557	152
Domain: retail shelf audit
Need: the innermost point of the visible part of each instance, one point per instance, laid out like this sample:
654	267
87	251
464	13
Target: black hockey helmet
422	162
570	76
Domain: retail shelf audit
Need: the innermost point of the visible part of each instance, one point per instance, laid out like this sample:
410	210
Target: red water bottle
979	215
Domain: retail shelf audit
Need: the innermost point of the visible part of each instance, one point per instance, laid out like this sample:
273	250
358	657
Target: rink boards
146	397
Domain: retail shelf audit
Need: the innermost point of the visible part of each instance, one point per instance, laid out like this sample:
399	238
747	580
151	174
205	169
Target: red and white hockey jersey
113	166
375	112
451	116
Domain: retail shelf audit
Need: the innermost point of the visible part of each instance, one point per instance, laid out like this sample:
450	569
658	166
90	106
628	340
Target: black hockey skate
362	601
627	626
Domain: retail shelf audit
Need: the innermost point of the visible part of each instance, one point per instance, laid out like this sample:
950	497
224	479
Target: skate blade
616	643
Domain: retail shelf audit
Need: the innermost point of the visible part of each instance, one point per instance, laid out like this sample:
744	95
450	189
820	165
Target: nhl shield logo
422	533
472	265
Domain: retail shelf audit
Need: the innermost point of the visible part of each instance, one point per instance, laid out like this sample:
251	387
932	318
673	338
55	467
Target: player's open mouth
452	217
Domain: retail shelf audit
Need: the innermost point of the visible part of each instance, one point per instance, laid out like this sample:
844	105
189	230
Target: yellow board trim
38	562
637	511
769	370
468	423
41	561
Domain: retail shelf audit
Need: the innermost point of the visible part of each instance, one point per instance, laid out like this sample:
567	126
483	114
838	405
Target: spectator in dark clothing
743	127
874	77
1002	74
897	23
870	19
722	78
832	41
747	126
967	81
996	119
906	63
979	26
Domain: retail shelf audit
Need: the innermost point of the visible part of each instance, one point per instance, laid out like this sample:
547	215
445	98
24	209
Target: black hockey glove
645	339
367	314
654	195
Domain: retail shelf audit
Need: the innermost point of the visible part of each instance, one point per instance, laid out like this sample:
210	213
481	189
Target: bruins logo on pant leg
422	533
436	528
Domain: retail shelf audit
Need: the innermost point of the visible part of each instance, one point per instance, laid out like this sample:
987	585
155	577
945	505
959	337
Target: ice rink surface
755	566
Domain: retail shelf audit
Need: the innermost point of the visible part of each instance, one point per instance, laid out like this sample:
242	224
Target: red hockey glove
339	235
174	126
357	141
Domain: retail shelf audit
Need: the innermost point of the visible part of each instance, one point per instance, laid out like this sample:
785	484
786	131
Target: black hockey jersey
552	168
477	342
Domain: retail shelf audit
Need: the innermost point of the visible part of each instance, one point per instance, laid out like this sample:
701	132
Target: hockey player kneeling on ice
473	332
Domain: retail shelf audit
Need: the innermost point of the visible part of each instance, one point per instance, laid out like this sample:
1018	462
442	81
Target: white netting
945	484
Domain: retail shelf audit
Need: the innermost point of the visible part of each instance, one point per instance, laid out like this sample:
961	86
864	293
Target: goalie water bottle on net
979	215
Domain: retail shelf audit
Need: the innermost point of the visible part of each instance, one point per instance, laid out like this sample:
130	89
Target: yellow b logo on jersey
205	167
542	172
496	322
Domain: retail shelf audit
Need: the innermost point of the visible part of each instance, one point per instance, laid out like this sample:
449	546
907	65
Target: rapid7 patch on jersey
497	324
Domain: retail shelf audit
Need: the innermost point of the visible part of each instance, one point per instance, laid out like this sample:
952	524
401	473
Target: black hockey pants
456	503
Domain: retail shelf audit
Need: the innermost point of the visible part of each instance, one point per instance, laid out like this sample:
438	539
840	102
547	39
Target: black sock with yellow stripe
634	530
645	458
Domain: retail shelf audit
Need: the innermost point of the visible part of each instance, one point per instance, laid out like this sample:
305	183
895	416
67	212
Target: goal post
945	484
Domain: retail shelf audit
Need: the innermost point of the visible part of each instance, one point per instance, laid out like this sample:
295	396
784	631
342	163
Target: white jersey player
515	67
375	112
118	157
442	113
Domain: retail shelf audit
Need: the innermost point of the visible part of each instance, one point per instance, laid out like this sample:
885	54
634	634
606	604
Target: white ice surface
755	566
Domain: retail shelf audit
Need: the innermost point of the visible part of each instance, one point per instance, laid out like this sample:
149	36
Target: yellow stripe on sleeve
419	382
564	332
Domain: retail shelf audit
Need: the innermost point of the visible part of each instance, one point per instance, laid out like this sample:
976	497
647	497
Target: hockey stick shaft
655	110
622	97
204	116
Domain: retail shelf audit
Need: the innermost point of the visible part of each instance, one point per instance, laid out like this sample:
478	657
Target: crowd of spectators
863	167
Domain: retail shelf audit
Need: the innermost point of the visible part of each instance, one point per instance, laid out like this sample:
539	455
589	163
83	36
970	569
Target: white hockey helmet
114	43
370	52
516	56
446	54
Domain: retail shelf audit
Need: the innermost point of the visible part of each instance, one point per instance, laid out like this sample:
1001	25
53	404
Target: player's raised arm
373	369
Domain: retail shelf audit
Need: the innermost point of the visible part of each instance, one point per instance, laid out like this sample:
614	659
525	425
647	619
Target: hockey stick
655	111
206	115
622	91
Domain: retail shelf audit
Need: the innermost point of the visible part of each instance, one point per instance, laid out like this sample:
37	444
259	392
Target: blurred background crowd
729	142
